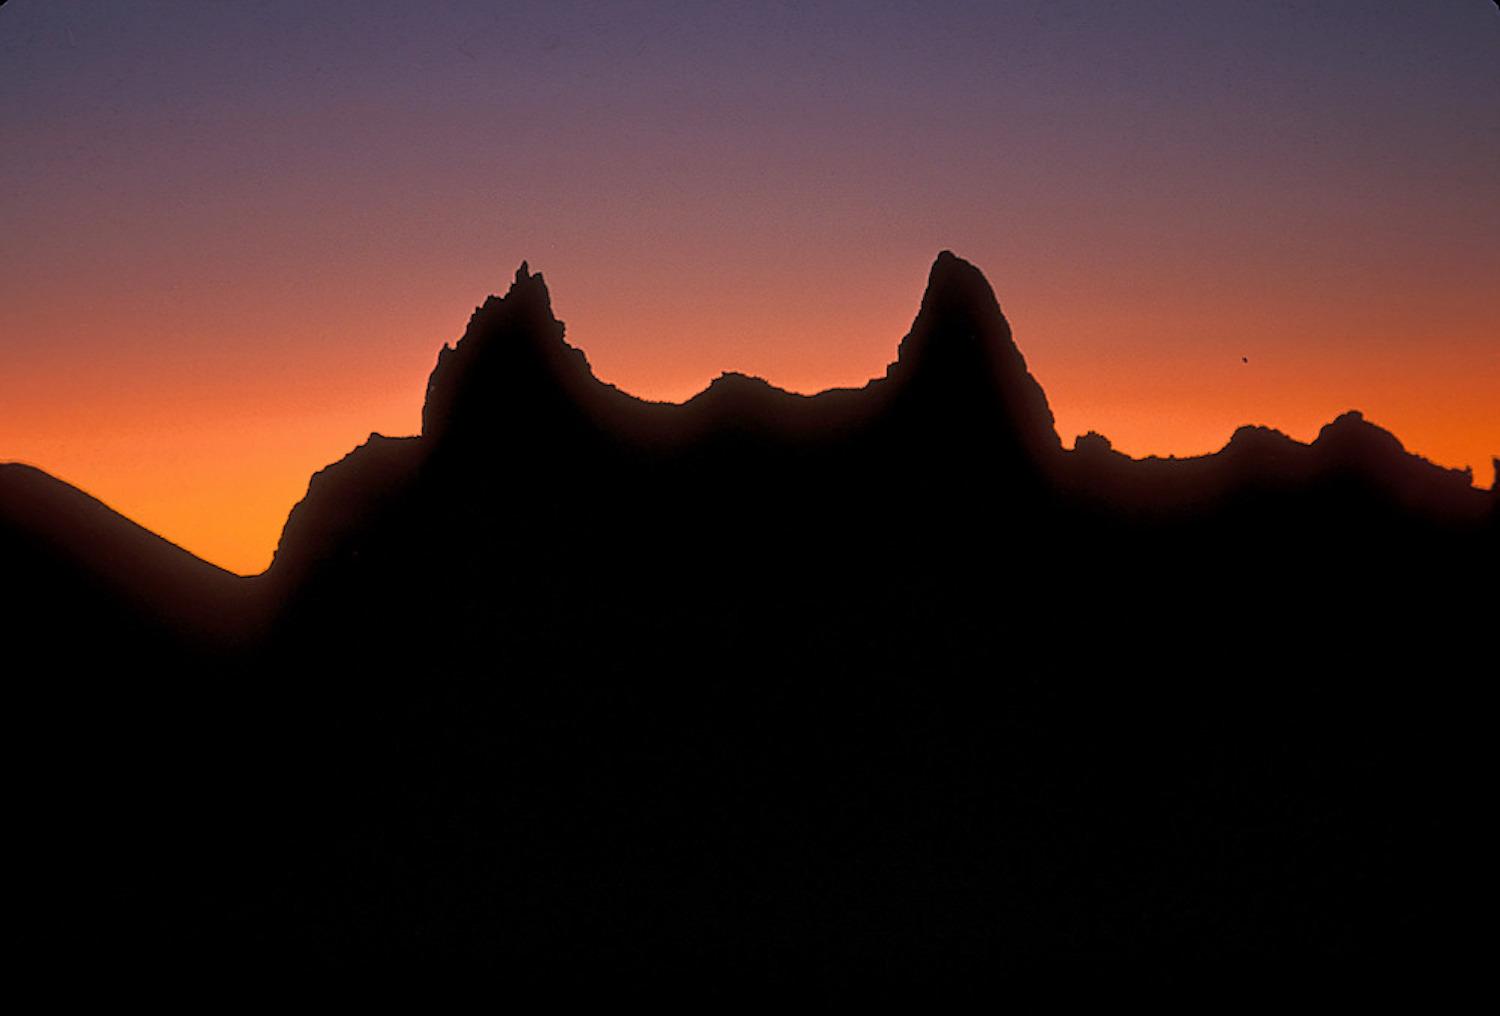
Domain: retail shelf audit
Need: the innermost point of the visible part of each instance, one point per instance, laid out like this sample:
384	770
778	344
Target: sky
233	237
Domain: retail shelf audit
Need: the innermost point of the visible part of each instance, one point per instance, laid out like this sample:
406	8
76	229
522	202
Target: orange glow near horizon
212	453
236	236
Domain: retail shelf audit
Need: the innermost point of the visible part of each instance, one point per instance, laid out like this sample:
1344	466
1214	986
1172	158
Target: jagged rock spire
511	360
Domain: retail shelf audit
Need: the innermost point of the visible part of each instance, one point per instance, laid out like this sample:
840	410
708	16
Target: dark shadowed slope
872	689
121	654
66	553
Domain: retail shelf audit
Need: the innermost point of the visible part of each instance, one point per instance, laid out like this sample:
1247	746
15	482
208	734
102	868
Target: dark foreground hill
873	689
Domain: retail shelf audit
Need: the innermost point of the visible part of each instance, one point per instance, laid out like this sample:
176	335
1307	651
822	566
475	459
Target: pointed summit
960	360
950	275
957	294
527	286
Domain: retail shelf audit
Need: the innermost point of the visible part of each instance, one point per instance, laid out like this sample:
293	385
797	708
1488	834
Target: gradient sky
233	236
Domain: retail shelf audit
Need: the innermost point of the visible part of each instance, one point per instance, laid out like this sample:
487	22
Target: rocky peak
960	360
512	360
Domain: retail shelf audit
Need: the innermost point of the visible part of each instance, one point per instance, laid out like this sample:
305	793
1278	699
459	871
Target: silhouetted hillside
71	554
873	689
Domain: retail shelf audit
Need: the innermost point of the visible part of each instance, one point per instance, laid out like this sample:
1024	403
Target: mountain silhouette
77	555
876	689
